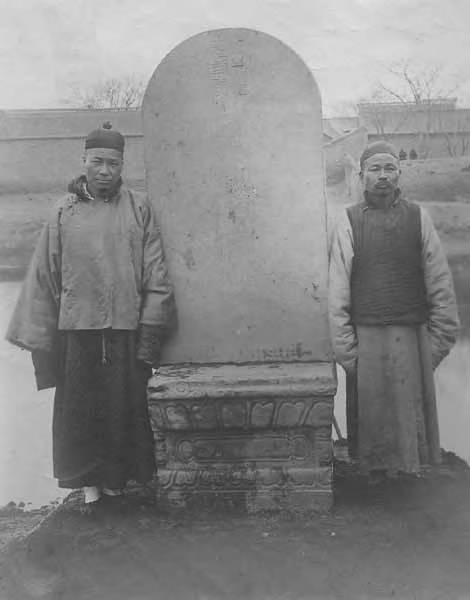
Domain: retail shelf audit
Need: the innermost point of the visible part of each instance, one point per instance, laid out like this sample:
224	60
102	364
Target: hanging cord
104	355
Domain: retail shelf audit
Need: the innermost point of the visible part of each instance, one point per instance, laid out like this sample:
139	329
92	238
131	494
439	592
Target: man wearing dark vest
393	318
95	306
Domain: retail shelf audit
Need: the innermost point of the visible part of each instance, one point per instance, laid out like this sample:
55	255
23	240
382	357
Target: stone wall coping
192	381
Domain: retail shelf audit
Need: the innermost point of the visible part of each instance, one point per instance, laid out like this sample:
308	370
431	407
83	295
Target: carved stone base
257	436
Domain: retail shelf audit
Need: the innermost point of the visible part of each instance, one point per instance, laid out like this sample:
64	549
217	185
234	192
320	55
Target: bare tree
379	116
125	94
411	83
411	95
457	133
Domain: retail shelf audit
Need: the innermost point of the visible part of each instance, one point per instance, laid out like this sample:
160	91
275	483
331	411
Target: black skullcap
105	138
380	147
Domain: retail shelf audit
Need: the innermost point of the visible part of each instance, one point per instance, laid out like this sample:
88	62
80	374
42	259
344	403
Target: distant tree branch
125	93
416	92
411	83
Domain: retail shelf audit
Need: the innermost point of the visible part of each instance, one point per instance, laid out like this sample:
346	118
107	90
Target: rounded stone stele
233	153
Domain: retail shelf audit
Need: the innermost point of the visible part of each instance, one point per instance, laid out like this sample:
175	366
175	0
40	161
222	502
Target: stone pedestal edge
256	436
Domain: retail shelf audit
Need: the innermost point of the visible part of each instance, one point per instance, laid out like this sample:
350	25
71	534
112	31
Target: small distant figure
402	155
413	154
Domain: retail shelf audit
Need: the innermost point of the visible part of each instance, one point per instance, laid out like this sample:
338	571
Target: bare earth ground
404	540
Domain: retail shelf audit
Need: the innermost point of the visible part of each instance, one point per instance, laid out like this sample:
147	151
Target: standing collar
366	204
79	186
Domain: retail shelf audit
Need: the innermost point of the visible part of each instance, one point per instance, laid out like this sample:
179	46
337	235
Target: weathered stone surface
191	449
263	446
233	414
287	398
293	489
233	154
242	406
265	449
262	413
243	380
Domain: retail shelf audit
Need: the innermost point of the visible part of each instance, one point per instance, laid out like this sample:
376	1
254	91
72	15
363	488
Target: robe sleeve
158	311
33	325
343	334
443	320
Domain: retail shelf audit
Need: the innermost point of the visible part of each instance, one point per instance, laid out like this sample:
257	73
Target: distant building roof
78	122
337	126
439	102
50	123
329	131
432	117
417	119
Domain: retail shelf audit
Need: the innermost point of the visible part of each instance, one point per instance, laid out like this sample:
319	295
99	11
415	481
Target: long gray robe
392	417
94	306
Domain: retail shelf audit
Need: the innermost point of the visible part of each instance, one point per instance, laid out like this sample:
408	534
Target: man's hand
350	366
148	345
45	369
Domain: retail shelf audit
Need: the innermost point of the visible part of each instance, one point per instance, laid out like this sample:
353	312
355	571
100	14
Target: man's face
380	174
103	168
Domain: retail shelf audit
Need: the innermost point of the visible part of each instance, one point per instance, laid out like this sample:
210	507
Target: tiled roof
20	124
392	118
69	123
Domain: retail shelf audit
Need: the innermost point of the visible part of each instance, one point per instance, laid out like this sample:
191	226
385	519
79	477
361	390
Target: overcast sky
48	47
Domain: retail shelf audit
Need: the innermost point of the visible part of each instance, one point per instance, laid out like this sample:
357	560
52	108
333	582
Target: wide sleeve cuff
45	369
149	344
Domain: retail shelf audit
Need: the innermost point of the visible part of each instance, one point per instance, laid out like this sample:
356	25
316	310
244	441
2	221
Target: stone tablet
242	407
233	155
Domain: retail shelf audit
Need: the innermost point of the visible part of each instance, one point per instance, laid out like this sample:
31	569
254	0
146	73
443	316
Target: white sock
92	493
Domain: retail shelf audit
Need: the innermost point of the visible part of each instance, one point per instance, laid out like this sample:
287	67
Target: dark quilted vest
387	281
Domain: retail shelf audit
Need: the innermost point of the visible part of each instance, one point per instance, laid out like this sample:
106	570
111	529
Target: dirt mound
454	462
403	539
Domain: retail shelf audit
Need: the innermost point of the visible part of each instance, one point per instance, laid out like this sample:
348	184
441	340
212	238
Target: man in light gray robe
393	318
95	306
